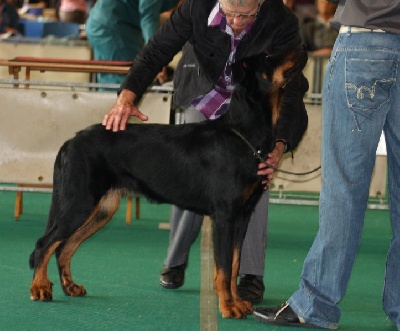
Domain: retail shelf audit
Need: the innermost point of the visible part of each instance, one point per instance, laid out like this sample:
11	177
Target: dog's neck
250	113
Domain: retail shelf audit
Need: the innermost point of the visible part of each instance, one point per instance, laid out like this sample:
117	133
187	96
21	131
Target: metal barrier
35	122
314	72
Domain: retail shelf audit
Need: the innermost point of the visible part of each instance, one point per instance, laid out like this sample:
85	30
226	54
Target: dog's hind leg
41	287
101	215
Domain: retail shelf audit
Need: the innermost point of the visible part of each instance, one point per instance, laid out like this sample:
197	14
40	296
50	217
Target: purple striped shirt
216	102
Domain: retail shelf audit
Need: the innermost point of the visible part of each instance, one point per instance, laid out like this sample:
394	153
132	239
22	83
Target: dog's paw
245	306
236	309
41	290
74	290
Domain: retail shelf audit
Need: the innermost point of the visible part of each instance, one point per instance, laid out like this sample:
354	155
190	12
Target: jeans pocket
369	83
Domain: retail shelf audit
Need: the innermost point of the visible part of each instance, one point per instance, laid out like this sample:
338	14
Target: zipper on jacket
192	65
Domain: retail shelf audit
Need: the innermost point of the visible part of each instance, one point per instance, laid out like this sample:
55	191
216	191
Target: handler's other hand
273	159
162	76
120	113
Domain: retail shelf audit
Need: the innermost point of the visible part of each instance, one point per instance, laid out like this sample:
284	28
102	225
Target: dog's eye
244	64
264	75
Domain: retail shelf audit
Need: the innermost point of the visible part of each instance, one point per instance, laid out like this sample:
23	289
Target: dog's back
158	161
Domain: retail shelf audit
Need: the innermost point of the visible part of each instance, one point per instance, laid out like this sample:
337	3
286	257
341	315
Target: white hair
241	3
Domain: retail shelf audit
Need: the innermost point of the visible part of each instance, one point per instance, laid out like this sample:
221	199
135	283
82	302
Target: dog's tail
57	186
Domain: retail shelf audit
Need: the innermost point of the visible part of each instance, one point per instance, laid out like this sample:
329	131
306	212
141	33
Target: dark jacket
10	18
206	53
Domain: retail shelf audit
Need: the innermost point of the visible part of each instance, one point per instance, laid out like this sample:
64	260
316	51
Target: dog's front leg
239	302
225	256
222	287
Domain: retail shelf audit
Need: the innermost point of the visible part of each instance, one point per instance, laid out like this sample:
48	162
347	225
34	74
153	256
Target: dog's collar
256	153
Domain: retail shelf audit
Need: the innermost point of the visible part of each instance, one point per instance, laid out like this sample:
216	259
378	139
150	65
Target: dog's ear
299	57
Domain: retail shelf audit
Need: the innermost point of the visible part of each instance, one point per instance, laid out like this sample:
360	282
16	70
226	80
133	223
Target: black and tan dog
204	167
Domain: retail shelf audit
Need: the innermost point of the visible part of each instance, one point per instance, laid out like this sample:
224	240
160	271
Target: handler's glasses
242	16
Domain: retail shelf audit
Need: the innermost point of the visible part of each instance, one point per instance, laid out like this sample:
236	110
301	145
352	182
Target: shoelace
281	310
301	320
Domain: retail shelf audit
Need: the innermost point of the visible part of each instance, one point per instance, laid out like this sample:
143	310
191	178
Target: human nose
238	17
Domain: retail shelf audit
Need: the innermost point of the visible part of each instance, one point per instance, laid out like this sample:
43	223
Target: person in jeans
214	34
361	97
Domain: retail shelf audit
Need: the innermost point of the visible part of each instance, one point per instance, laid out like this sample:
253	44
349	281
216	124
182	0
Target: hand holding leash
273	159
123	109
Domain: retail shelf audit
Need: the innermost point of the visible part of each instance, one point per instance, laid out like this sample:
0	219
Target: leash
258	156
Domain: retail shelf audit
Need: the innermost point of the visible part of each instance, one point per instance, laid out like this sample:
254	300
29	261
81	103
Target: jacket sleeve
293	119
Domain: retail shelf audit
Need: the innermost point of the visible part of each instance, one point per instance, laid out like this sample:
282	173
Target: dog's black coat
203	167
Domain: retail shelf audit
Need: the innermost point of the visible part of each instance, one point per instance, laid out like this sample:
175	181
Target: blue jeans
361	97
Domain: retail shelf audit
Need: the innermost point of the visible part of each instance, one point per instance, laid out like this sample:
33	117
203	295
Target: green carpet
120	266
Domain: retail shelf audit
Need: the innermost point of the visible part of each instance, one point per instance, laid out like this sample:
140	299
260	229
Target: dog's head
268	74
271	69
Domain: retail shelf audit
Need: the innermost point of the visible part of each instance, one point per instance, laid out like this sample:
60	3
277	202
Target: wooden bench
62	65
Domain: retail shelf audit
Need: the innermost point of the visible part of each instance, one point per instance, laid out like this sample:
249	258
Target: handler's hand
119	114
162	76
273	159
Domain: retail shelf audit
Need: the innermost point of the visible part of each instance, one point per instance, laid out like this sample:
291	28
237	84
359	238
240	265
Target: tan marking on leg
41	287
242	306
230	304
221	285
100	216
235	273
